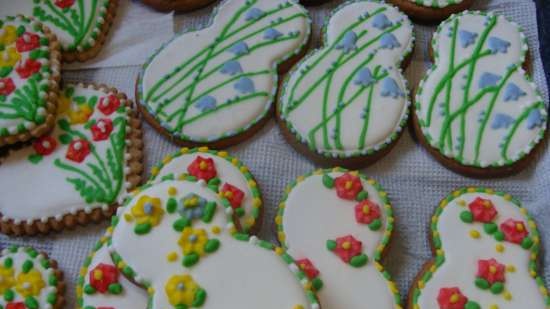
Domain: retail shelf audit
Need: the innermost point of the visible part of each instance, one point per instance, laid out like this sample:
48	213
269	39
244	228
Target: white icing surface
26	7
436	3
231	119
314	214
18	81
226	172
238	273
39	191
359	131
490	150
19	258
463	252
132	297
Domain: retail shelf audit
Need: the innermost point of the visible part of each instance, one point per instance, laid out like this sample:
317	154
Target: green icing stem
291	106
516	125
180	68
341	109
486	118
367	113
450	85
67	25
24	103
85	31
358	51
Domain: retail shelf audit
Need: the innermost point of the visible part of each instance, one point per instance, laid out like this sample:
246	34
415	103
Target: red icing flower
28	68
109	104
102	129
348	186
347	247
17	305
202	168
483	210
44	145
78	150
27	42
308	268
6	86
233	194
366	212
64	3
491	270
451	298
514	230
102	276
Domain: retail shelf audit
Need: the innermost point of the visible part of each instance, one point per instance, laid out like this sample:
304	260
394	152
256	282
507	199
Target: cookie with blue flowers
346	103
215	86
431	10
477	111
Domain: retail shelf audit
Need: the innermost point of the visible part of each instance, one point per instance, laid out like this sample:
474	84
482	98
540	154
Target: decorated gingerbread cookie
486	247
29	76
80	25
431	10
216	86
337	223
30	279
101	285
476	110
347	103
177	239
177	5
224	174
78	172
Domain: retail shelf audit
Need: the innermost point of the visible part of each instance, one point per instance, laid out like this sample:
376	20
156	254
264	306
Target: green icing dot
20	30
88	289
51	298
375	225
142	228
328	181
190	259
31	302
361	196
466	217
180	224
499	236
490	228
482	283
9	295
472	305
27	266
211	245
317	284
8	262
359	260
497	288
52	280
171	205
239	211
527	243
331	245
115	288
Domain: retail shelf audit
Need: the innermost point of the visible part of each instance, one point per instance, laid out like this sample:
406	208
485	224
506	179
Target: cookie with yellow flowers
485	248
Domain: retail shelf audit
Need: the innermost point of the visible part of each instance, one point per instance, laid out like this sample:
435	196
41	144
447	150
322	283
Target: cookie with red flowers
337	224
29	77
81	26
485	248
177	5
78	172
224	174
101	284
30	280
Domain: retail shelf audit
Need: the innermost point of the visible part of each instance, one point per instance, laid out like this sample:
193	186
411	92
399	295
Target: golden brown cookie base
70	221
51	96
426	14
228	141
177	5
81	56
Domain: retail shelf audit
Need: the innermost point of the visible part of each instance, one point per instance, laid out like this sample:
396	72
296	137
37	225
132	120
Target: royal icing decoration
100	284
486	248
224	174
76	23
343	257
81	165
477	105
28	280
27	66
193	261
349	98
224	82
436	3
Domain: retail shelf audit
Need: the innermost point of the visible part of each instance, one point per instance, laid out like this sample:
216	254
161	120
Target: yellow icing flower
193	240
148	210
6	279
8	35
79	114
9	57
30	284
63	104
181	290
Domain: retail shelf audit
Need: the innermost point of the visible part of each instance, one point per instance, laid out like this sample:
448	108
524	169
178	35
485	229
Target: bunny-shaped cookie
337	223
486	247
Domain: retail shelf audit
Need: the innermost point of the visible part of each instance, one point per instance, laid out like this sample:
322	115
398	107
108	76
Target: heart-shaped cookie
176	238
29	76
79	171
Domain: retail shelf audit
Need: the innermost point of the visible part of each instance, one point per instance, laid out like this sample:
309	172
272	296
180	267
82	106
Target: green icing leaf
142	228
361	196
331	245
527	243
27	266
31	302
180	224
466	217
200	297
328	182
375	225
5	71
65	139
359	260
490	228
171	205
472	305
115	288
482	283
211	245
190	259
88	289
35	158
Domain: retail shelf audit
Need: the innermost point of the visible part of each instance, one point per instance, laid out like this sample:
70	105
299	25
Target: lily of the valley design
89	145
